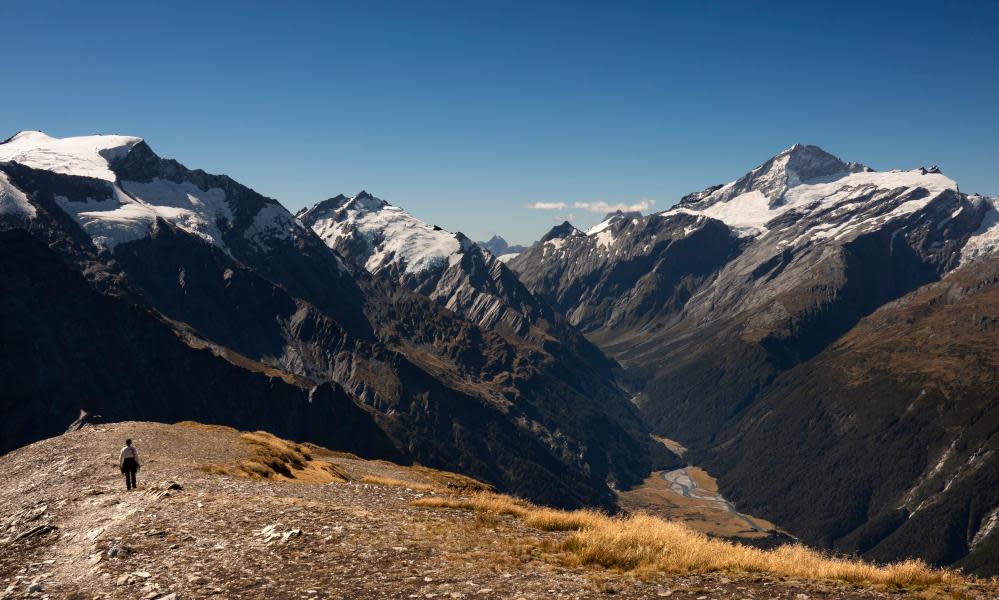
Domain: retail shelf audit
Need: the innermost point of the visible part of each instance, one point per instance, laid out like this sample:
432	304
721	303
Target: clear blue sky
464	113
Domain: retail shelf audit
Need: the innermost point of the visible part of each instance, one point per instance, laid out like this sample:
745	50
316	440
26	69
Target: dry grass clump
483	502
647	544
275	455
440	481
453	481
393	482
206	427
274	458
549	519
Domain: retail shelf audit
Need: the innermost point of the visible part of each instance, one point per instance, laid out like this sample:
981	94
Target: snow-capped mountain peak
381	235
796	165
83	156
138	189
447	267
563	230
611	218
807	179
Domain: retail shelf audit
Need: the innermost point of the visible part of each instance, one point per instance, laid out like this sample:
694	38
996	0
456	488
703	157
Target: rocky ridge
70	531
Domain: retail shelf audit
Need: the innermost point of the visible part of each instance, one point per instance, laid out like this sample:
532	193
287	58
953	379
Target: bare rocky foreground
68	529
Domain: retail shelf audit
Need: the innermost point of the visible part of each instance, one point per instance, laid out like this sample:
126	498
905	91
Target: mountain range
161	279
820	336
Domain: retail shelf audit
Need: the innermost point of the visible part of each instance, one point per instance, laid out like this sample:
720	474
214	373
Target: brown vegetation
433	481
274	458
452	481
647	545
393	482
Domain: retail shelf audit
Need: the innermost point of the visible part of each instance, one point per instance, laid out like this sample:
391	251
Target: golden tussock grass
645	544
484	502
206	427
452	481
274	458
393	482
549	519
439	481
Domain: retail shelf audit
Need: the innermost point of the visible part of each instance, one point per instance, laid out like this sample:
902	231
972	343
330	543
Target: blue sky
466	113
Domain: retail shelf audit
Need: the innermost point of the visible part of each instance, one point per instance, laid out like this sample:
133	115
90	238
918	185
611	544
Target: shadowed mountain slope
217	262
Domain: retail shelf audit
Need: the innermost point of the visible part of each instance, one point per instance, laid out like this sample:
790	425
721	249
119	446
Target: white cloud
547	205
643	205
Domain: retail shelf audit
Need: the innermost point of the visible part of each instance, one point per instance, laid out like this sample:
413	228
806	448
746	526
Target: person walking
128	461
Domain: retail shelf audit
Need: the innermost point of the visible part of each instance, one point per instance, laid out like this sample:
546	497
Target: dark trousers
129	468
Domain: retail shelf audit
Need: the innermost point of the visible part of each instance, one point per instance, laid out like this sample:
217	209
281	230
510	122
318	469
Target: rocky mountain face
625	270
898	419
396	247
445	267
230	277
734	310
75	355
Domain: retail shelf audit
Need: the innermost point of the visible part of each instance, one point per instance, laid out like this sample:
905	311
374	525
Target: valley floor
691	496
68	529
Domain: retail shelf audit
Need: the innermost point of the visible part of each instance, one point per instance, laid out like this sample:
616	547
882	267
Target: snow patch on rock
133	208
988	526
602	225
605	238
187	206
272	222
985	239
13	202
110	222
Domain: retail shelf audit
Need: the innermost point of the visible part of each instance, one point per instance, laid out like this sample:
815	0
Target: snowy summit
383	236
123	209
84	156
806	179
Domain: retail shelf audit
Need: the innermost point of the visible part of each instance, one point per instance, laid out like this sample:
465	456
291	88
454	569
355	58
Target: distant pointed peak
563	230
622	214
324	208
365	201
808	151
809	162
793	166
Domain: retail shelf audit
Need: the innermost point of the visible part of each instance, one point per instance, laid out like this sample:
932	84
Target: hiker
128	460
